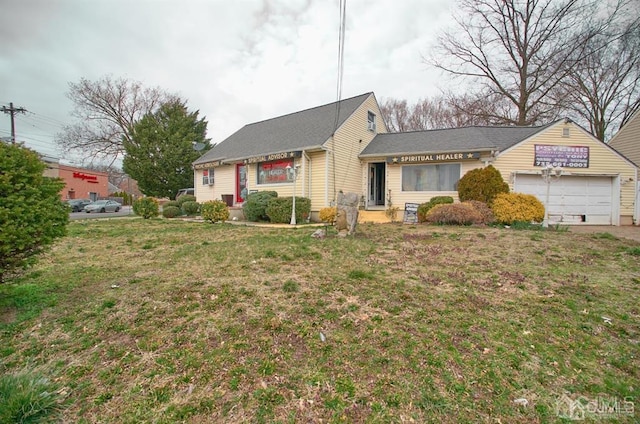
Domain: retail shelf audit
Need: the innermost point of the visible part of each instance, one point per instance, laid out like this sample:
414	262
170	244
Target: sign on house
434	157
561	156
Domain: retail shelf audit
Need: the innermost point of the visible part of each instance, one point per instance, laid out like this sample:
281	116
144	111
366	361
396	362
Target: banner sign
561	156
274	156
208	165
437	157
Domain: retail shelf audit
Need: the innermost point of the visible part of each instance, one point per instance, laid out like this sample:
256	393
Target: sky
236	62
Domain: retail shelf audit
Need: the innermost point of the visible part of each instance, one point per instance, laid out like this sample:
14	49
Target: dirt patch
631	232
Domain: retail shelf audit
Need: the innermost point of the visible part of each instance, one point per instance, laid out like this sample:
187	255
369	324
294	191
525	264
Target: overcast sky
236	62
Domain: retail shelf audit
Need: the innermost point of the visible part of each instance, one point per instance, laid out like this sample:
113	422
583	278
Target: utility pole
12	111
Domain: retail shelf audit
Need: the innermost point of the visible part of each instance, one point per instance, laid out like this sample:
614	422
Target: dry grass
173	321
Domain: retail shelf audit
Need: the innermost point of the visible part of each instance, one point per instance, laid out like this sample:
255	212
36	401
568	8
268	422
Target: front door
241	182
376	184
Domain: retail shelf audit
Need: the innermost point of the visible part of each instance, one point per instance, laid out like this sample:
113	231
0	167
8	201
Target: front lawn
174	321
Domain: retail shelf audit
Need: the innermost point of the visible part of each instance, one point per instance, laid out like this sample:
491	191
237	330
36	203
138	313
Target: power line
12	112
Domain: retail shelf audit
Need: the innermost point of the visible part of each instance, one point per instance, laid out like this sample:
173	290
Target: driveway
631	232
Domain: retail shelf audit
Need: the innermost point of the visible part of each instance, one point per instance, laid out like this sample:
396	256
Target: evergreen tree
32	215
160	152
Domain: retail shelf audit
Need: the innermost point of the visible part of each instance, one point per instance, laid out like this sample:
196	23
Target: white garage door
572	199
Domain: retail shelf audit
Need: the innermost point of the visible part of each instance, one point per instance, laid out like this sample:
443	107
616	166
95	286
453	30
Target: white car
103	206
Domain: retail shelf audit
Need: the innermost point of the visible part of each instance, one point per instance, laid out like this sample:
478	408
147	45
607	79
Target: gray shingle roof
449	140
301	130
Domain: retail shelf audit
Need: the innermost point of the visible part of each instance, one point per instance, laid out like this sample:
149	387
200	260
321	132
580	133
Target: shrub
279	209
482	184
32	215
190	207
255	205
424	208
146	207
454	214
214	211
327	215
171	203
185	198
28	398
171	211
517	207
483	209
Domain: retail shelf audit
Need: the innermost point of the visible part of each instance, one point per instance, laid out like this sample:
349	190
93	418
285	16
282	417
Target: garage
574	199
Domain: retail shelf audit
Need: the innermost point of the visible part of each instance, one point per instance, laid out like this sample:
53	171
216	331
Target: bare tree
444	111
106	110
519	51
603	90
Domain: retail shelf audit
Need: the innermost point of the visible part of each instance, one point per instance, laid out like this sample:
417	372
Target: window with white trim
207	176
438	177
371	121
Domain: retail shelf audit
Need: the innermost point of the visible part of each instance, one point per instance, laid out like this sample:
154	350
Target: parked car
77	205
184	191
103	206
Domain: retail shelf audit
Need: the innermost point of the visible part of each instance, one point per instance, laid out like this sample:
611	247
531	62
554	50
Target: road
125	211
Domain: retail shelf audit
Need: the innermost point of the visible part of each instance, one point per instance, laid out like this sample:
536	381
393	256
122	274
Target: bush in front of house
255	205
190	208
424	208
482	184
185	198
279	209
214	211
171	211
484	210
517	207
454	214
32	215
327	215
146	207
171	203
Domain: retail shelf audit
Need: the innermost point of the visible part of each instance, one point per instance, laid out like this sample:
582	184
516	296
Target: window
275	172
566	132
440	177
371	121
207	176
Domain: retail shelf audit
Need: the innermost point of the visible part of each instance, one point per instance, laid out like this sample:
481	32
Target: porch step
375	217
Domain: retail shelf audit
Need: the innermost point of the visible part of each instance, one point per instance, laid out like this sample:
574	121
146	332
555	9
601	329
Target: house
627	140
315	149
591	183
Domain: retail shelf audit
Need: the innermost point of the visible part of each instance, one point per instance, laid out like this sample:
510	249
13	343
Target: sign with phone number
561	156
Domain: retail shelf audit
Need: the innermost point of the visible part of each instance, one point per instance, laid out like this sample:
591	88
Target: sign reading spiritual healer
433	157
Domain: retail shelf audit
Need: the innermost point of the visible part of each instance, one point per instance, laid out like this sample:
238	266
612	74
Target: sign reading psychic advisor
561	156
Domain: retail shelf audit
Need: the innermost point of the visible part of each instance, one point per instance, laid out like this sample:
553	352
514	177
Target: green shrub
171	211
279	209
454	214
190	208
483	209
185	198
27	398
482	184
32	215
513	207
214	211
424	208
171	203
146	207
255	205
